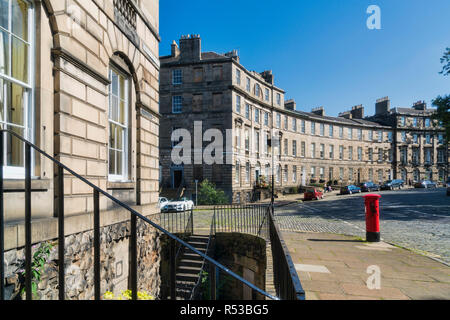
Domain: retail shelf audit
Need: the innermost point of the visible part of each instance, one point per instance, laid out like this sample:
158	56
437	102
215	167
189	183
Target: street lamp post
196	193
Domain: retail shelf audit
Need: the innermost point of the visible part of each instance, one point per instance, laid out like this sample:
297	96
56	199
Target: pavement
416	219
326	240
339	267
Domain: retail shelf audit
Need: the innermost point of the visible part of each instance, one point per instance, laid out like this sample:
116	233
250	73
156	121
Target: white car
162	202
180	205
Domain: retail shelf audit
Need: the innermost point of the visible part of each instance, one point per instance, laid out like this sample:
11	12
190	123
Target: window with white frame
257	140
278	99
294	173
303	126
359	153
278	124
238	104
322	150
341	132
313	150
278	173
118	126
380	135
286	173
247	86
341	152
331	151
303	149
331	131
294	124
360	135
16	81
427	122
237	177
266	94
350	133
286	147
238	77
313	128
322	129
177	104
350	153
266	118
257	113
370	135
247	172
294	148
341	174
177	76
257	90
286	122
313	172
247	111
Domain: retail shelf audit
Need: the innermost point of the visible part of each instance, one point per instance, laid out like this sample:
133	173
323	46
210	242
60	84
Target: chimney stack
420	105
346	115
233	54
357	112
290	105
382	106
268	76
175	49
191	48
320	111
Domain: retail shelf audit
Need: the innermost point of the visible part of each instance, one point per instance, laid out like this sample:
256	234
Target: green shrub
209	195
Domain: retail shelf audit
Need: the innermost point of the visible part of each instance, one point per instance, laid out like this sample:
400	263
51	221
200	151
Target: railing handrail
299	292
208	247
137	214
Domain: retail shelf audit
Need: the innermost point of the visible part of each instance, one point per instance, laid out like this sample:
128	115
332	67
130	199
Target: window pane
122	109
112	162
4	8
119	168
15	149
119	136
114	83
2	91
113	115
112	136
20	19
15	104
19	67
4	52
122	87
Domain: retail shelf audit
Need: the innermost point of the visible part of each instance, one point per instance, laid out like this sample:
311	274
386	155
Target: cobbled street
416	219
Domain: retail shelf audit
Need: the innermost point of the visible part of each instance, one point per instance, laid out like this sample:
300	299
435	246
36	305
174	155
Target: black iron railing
195	294
134	215
259	220
286	281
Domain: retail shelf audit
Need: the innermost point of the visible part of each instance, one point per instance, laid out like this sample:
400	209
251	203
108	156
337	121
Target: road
416	219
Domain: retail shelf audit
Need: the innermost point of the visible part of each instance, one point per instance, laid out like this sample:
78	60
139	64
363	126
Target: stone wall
79	266
246	256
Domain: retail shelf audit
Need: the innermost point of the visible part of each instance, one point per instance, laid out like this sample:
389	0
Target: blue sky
321	52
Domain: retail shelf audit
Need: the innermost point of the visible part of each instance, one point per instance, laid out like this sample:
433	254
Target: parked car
350	189
448	187
162	202
311	194
425	184
369	186
393	184
180	205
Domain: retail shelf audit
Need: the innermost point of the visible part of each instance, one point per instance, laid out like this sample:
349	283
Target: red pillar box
372	202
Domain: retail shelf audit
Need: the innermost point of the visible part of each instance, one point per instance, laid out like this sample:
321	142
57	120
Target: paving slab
404	274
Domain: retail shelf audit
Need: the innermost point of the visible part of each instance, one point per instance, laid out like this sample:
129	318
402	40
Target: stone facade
79	266
219	92
93	106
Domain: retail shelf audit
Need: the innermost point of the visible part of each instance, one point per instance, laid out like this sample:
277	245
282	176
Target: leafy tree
209	195
446	61
443	114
